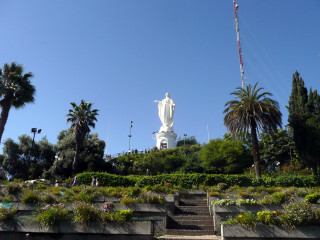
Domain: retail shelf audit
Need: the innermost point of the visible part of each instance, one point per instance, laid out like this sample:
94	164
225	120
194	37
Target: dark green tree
277	148
81	117
90	155
251	112
15	91
225	156
187	141
304	120
22	160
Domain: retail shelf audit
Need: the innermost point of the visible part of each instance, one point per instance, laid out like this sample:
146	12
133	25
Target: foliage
187	181
241	202
81	117
31	197
13	188
246	219
304	118
277	148
22	160
49	198
223	202
51	215
187	141
15	90
270	218
298	214
252	110
7	214
85	213
279	197
222	186
117	216
312	198
90	155
225	156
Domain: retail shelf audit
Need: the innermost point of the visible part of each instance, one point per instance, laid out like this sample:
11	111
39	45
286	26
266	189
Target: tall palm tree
82	118
252	111
15	91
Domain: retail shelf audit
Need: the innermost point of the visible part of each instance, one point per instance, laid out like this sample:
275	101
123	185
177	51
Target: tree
90	155
252	111
82	118
15	91
225	156
22	160
304	119
277	147
187	141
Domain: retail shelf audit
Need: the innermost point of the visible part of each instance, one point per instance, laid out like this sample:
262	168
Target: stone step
199	210
191	232
190	222
188	202
191	217
191	226
180	237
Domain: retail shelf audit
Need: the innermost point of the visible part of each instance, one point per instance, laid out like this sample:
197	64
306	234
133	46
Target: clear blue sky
123	55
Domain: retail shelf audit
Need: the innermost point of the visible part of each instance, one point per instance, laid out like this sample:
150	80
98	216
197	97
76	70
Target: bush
241	202
85	213
246	219
13	188
312	198
297	214
119	216
223	202
7	214
270	218
222	186
50	216
279	197
31	197
48	198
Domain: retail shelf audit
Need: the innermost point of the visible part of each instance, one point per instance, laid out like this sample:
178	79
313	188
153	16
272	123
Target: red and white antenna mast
238	40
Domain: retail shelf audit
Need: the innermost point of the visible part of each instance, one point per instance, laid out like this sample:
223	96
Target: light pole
130	135
185	135
35	131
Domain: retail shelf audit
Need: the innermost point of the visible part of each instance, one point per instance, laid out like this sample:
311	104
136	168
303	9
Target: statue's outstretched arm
156	101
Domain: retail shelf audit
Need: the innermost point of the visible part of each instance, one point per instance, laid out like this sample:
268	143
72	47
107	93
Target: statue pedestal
166	139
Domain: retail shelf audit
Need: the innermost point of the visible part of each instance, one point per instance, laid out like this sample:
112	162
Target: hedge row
195	180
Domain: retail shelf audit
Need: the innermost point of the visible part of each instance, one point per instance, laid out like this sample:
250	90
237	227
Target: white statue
166	111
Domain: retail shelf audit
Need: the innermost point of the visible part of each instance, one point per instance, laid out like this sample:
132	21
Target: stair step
189	232
182	217
191	222
191	227
180	237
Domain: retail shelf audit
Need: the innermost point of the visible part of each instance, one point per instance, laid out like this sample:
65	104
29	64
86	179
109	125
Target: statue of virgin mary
166	111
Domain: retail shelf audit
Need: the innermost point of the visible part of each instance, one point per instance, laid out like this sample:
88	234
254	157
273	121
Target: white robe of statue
166	111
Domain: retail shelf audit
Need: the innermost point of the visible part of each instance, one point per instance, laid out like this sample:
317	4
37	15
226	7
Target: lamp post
35	131
185	135
130	135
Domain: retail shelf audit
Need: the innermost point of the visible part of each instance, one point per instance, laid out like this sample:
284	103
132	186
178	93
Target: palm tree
15	91
82	118
252	111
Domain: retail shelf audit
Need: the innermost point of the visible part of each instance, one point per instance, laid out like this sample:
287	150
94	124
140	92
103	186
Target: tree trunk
75	163
255	150
5	112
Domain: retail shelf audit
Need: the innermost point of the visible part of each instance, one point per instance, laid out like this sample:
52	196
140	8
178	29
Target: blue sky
123	55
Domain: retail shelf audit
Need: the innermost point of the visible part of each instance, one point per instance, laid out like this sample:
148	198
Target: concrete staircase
191	220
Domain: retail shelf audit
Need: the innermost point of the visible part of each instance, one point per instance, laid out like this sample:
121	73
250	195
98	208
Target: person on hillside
94	181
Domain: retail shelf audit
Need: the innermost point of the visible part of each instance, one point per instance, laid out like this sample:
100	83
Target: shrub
133	191
241	202
279	197
50	216
222	186
31	197
243	194
119	216
128	200
48	198
223	202
297	214
85	213
7	214
246	219
108	207
13	188
270	218
266	201
213	194
312	198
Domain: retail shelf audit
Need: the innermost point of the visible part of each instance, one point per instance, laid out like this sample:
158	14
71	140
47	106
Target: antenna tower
238	40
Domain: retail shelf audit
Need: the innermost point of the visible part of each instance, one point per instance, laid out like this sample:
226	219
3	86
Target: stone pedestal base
166	139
